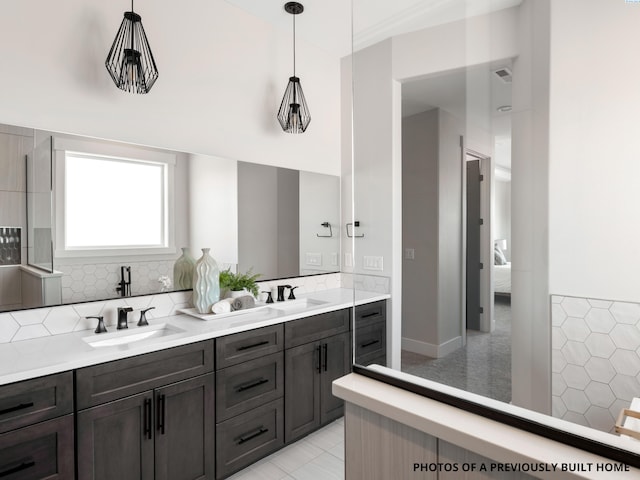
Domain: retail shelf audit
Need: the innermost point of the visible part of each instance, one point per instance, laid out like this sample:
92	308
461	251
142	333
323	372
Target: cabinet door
335	364
185	429
302	390
115	440
43	451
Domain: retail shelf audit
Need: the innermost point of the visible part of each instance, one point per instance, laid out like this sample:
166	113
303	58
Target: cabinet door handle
248	436
250	385
161	413
23	466
324	361
15	408
147	418
368	344
319	363
253	345
372	314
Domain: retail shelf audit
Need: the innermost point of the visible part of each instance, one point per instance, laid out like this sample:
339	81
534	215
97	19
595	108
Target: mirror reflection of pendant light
130	61
293	114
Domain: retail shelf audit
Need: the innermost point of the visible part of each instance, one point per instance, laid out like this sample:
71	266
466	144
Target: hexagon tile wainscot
596	359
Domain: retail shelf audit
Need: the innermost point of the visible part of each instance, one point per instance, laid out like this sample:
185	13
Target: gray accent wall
432	227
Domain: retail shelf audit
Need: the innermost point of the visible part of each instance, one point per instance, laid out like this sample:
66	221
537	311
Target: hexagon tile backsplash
595	359
42	322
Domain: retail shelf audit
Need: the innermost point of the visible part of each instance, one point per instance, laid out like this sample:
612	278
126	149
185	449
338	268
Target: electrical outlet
409	254
314	259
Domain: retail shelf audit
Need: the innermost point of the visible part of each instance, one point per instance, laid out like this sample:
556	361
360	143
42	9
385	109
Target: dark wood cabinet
36	428
40	451
309	371
115	440
149	416
370	334
166	433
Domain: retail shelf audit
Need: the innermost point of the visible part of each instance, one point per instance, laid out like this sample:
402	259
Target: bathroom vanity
200	399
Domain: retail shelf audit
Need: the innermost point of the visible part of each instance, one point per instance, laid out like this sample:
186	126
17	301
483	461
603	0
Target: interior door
474	224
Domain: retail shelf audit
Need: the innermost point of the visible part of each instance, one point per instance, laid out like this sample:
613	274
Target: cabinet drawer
371	312
44	450
248	437
121	378
31	401
310	329
371	343
242	387
244	346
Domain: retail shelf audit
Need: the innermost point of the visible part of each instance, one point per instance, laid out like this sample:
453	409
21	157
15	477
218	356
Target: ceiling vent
504	74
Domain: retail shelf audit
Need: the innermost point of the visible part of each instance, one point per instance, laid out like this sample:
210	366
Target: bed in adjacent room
501	273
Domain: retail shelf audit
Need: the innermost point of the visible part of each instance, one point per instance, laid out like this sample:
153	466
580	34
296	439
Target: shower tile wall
595	359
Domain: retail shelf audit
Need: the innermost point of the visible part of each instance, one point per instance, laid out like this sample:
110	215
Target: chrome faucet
122	317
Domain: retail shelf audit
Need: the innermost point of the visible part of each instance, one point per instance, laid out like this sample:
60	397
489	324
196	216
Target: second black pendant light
130	61
293	114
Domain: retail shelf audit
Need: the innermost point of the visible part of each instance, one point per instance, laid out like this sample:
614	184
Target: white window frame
117	152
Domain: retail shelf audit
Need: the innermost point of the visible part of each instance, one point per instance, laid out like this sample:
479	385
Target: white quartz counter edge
58	353
491	439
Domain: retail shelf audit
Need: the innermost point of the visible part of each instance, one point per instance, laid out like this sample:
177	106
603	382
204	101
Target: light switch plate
334	259
348	260
409	254
372	263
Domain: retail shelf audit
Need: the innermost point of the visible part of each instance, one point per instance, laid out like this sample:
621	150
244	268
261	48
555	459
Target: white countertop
492	439
58	353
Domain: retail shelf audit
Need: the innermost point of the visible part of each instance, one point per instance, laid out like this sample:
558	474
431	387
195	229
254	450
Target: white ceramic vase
206	283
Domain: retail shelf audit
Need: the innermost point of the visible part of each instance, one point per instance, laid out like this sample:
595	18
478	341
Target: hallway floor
482	367
319	455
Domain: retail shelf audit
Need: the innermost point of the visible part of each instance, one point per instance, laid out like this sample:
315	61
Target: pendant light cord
294	45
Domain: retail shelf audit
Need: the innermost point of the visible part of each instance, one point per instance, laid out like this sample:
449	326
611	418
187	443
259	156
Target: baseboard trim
430	349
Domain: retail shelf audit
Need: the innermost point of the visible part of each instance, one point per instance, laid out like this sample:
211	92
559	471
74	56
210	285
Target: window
112	204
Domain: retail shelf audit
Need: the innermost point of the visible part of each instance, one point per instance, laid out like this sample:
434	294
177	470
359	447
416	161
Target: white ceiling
327	23
473	93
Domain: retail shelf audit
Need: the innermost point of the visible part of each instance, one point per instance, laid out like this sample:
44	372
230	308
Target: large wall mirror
502	153
77	210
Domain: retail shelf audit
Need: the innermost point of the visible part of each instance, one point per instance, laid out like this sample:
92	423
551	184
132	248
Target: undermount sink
132	335
298	304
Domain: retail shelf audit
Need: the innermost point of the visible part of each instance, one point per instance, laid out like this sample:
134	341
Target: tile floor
319	455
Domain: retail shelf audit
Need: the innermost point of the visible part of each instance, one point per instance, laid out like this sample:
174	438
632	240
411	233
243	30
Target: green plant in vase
237	282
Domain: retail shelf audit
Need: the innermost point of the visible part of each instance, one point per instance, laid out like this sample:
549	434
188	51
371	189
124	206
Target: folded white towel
223	306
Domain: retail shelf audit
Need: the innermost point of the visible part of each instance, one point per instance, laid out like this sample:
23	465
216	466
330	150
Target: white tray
215	316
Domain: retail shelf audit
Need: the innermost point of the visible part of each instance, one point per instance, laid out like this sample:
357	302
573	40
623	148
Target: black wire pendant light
130	61
293	114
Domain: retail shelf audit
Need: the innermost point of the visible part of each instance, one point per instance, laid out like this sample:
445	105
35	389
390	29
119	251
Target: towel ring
355	224
326	225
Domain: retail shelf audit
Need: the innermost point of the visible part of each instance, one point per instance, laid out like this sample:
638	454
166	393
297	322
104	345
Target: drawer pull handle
254	345
250	385
18	468
372	314
22	406
245	438
368	344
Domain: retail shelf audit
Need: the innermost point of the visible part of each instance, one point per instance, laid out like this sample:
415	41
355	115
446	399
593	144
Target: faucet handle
269	297
291	295
100	328
143	317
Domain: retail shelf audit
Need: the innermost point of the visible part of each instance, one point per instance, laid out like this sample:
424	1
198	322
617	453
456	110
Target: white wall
213	208
594	150
502	214
222	75
319	203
